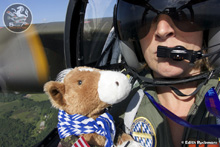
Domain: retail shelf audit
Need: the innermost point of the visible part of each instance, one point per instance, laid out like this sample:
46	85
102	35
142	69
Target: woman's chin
168	75
169	72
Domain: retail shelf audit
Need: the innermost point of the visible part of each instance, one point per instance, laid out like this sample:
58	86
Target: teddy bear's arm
70	140
95	139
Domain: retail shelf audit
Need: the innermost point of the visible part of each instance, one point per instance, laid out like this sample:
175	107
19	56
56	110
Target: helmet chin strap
179	93
147	82
180	53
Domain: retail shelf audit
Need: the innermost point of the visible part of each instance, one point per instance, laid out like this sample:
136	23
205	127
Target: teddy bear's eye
79	82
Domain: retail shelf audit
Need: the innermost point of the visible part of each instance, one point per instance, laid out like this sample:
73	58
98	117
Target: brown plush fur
78	95
74	98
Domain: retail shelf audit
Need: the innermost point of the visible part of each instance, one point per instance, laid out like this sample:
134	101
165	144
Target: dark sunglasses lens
134	18
130	21
199	16
147	20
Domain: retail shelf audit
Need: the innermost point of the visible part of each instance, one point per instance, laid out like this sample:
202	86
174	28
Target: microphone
179	53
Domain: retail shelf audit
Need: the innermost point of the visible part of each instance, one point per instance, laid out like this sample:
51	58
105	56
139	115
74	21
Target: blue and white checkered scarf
78	124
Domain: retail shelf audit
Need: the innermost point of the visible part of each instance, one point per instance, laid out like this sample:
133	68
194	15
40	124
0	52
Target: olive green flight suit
157	124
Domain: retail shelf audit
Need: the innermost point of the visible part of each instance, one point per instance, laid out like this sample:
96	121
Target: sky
44	11
100	8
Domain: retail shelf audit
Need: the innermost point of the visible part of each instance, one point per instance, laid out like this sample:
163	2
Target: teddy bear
82	95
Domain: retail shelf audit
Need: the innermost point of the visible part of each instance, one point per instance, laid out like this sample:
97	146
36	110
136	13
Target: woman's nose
164	28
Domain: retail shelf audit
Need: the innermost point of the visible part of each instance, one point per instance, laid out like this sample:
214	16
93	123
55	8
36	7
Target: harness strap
218	92
210	129
132	110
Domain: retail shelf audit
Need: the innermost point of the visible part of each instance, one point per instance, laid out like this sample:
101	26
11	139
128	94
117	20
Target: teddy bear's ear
55	91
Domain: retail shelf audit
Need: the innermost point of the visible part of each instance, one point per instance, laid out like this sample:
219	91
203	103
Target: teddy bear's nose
117	83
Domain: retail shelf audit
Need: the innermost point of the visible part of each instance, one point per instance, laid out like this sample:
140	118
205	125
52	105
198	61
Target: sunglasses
133	18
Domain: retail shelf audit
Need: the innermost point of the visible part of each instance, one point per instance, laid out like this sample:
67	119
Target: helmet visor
134	17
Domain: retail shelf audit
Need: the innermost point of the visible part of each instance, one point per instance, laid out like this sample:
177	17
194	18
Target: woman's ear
55	91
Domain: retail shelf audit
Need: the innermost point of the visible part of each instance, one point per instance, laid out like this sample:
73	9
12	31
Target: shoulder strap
218	92
217	89
132	109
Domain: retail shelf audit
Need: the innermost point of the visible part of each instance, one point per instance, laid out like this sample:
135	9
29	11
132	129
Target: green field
21	117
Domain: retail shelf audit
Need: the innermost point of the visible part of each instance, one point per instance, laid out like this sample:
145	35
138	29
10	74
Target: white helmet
132	21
